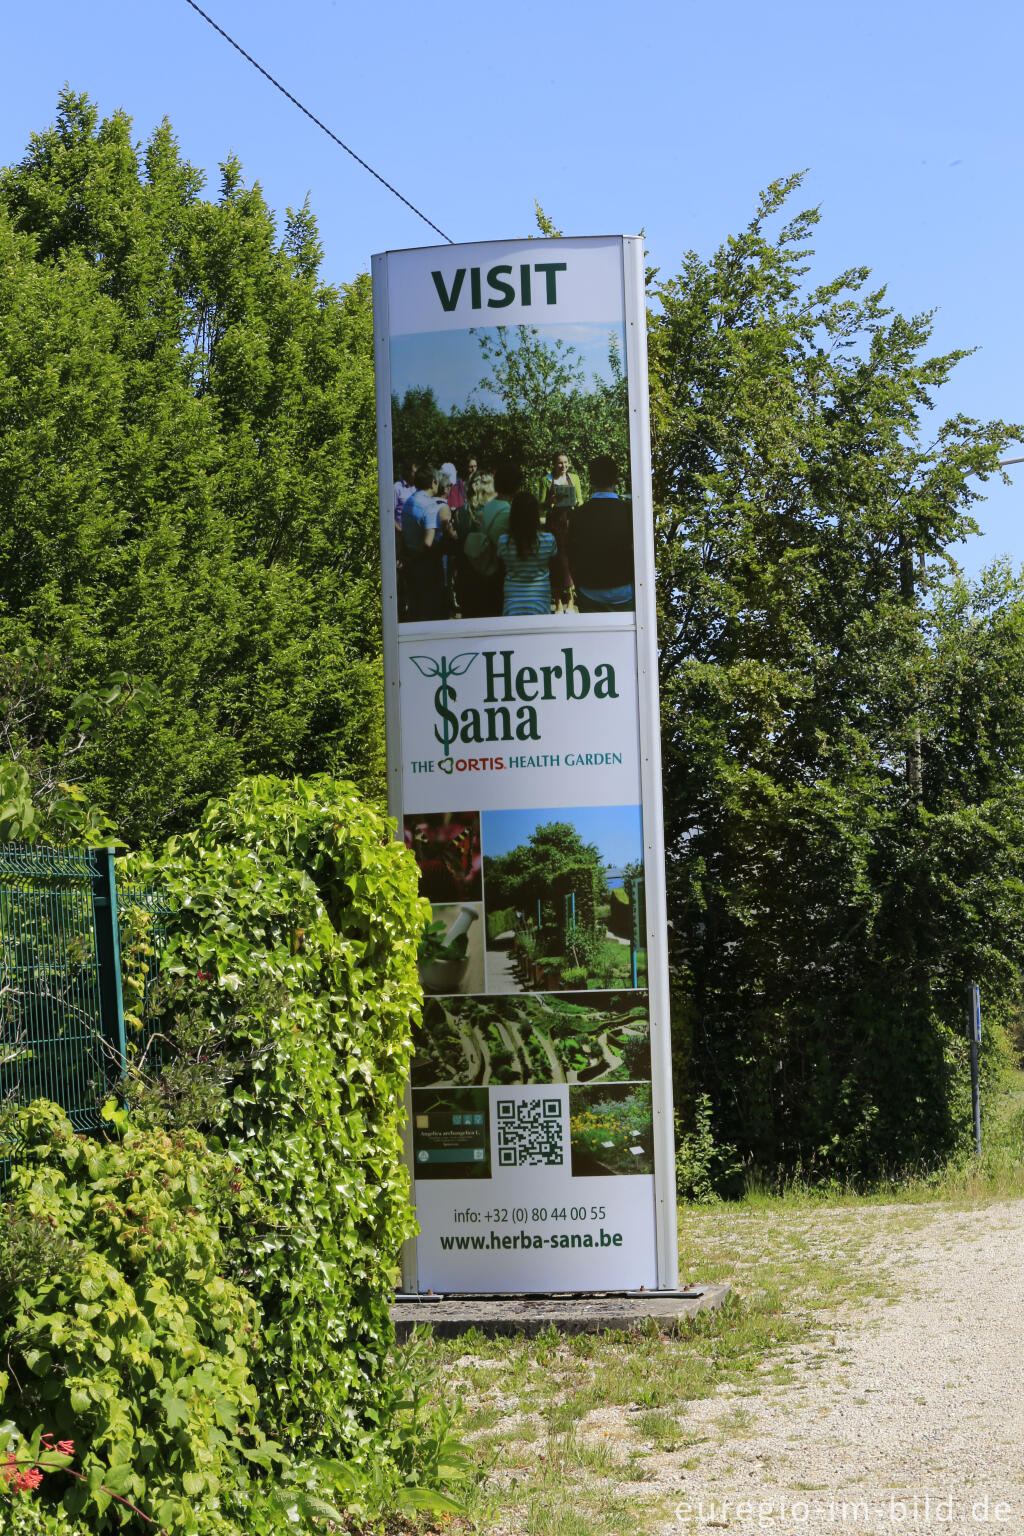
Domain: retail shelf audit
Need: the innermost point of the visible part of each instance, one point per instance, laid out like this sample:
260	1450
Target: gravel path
909	1417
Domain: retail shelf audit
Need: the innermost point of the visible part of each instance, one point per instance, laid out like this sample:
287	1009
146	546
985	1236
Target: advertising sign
523	760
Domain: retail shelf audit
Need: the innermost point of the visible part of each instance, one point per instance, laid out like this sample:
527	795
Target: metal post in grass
974	1032
108	955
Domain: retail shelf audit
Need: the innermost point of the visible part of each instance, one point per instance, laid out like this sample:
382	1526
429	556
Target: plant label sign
524	763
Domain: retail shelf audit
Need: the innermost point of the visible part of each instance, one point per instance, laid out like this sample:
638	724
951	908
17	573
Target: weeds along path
877	1357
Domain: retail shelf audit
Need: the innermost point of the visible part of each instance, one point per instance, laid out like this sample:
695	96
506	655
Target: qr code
530	1133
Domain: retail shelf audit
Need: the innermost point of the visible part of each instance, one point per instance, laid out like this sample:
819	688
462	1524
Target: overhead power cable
295	102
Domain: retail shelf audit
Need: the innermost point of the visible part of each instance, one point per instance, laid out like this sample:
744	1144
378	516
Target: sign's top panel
505	282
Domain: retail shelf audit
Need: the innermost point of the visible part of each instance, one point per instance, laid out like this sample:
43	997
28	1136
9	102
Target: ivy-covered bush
291	974
122	1333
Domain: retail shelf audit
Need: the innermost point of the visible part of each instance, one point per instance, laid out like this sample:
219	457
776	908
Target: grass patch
562	1429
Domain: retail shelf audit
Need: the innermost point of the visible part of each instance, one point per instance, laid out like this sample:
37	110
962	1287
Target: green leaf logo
442	668
461	663
427	665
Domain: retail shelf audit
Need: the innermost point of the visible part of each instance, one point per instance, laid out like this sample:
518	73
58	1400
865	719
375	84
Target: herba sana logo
440	667
509	711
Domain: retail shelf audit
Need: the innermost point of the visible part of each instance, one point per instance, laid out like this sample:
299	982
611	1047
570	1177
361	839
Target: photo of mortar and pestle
451	951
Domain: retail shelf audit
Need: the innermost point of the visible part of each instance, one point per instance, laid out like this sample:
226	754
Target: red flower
66	1447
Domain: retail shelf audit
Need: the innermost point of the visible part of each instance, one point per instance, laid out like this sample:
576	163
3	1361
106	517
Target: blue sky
668	116
452	364
614	829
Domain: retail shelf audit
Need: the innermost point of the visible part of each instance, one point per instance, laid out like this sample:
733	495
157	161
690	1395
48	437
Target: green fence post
637	923
108	955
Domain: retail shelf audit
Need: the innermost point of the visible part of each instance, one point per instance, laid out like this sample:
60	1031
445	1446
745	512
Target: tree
420	431
553	849
187	471
39	747
546	405
836	870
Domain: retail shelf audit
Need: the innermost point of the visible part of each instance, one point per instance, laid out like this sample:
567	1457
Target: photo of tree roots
582	1038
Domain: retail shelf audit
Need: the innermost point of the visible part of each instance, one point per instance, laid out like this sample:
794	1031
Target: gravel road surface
907	1416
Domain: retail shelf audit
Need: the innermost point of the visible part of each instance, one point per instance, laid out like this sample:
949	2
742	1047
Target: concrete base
504	1316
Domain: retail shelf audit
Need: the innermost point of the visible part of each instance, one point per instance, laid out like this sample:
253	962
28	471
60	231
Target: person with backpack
422	551
471	589
482	550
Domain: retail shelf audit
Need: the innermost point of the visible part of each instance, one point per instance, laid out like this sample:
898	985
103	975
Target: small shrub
138	1351
584	948
420	1459
31	1249
573	976
705	1170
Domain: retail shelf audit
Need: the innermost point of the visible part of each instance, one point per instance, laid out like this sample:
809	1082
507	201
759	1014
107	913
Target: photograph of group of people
483	544
512	492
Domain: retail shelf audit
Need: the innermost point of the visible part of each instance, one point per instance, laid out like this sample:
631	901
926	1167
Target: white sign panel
449	288
523	760
513	721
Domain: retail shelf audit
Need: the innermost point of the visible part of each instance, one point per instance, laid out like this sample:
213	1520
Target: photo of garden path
580	1037
564	899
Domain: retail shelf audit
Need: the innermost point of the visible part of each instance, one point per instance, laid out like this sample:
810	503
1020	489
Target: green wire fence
73	945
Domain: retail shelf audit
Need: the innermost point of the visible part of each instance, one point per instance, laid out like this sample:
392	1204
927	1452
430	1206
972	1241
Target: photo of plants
513	392
564	899
583	1037
446	846
611	1129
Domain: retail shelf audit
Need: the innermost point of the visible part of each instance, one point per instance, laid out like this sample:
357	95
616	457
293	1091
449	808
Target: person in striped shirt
526	552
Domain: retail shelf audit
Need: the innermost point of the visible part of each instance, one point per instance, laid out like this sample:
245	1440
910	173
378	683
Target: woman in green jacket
560	492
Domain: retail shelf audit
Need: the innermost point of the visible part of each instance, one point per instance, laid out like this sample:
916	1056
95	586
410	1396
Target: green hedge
619	920
294	937
502	921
